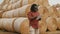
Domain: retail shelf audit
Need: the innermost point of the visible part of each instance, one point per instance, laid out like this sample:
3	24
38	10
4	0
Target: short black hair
34	7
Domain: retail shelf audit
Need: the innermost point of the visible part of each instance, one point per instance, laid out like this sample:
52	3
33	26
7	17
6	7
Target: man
34	18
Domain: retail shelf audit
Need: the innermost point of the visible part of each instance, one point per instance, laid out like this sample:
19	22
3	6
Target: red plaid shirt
33	23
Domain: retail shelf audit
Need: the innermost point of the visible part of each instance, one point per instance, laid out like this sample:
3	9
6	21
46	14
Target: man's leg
37	31
32	30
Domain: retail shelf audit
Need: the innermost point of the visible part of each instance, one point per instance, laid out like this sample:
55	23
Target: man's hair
34	8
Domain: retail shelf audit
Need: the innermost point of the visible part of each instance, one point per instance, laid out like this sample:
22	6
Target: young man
34	18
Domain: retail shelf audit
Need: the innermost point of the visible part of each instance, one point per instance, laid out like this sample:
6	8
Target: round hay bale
1	13
1	24
44	12
39	2
42	26
25	2
1	4
10	14
13	1
7	1
51	24
5	7
21	25
53	12
8	24
58	10
14	5
20	12
58	22
45	3
4	2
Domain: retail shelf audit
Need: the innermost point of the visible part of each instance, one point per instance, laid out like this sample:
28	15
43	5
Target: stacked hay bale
23	25
7	24
13	4
20	25
4	4
52	21
53	12
58	10
20	12
46	3
51	24
57	6
10	5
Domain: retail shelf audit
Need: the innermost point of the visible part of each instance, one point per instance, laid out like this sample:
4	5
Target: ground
5	32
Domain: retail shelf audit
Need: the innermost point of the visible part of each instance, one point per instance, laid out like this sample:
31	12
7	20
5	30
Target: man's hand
38	18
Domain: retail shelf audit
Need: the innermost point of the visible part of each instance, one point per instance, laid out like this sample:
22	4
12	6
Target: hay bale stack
22	12
20	25
44	14
16	4
13	4
51	24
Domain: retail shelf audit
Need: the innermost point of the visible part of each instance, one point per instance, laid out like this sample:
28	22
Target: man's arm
31	18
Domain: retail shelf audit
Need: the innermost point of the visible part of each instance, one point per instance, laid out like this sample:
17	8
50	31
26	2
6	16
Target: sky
51	2
1	1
